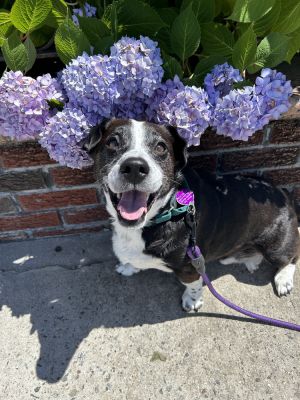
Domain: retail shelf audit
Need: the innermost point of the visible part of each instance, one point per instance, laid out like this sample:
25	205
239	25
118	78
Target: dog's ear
95	136
179	147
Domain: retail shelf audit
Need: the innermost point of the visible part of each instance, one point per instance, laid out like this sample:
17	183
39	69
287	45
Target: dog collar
181	202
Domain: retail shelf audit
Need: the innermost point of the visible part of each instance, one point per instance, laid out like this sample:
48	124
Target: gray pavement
73	329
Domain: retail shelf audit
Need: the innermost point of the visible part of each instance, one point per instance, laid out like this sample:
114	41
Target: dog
141	165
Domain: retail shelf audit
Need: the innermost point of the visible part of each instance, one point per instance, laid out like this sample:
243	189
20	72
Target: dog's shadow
66	305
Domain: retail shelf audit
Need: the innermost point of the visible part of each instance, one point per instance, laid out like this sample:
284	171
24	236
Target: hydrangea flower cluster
89	82
185	107
23	104
220	81
87	11
237	114
243	112
274	91
63	135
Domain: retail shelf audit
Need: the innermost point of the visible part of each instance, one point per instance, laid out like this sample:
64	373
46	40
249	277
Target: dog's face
138	164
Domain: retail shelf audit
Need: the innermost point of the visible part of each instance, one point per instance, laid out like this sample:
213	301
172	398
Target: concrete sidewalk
73	329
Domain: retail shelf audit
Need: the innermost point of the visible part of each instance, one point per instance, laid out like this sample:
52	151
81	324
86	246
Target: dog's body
239	219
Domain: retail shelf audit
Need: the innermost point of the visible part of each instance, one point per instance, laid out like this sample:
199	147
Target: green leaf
15	53
70	41
114	20
250	10
168	14
185	34
205	65
93	28
171	67
5	25
136	17
204	10
217	39
58	13
289	19
294	45
241	85
244	50
164	39
31	52
103	45
42	36
264	24
270	52
55	104
29	15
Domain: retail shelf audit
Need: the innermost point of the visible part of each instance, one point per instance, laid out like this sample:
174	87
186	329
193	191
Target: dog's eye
112	143
161	148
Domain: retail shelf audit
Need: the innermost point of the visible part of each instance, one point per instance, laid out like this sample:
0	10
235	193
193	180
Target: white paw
251	267
283	285
284	280
191	303
126	269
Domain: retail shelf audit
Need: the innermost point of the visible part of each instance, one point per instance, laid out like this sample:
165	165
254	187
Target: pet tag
184	197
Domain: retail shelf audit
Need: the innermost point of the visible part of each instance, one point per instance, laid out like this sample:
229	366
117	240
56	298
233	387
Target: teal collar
174	210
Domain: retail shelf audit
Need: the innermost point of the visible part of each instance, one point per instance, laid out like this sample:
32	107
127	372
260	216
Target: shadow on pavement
66	305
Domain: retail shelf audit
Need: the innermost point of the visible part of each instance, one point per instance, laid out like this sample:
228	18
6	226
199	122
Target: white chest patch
129	245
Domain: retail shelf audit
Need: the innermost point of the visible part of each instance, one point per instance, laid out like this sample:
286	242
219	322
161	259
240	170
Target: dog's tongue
133	204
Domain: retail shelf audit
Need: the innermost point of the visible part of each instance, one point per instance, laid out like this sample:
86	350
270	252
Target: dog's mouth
133	205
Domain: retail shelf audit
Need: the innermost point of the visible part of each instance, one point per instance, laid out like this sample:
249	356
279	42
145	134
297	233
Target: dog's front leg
192	297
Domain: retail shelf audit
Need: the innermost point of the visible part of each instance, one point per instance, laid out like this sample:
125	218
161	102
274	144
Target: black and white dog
141	165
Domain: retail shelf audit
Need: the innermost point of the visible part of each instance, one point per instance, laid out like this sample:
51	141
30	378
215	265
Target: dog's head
139	165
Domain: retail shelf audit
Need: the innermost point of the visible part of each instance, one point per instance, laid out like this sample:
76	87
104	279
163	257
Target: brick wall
40	198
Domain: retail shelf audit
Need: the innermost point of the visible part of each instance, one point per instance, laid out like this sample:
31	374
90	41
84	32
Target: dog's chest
129	245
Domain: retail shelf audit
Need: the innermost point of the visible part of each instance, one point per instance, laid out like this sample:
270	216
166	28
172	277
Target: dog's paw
190	303
284	280
126	269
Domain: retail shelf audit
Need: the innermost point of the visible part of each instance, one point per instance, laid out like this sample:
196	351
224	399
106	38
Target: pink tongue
133	205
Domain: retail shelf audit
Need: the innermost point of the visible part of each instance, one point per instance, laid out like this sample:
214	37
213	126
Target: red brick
208	162
269	157
7	204
87	215
18	222
210	141
25	180
60	232
63	176
62	198
283	176
25	154
285	131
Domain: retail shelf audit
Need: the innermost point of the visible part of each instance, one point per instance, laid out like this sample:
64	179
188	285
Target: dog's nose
135	169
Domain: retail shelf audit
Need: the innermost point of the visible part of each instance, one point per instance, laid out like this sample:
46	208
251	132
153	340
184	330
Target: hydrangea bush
129	84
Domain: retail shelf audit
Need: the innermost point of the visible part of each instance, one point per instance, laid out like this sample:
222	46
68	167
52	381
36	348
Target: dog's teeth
118	196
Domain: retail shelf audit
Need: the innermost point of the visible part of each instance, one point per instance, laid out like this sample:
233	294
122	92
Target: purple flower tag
184	197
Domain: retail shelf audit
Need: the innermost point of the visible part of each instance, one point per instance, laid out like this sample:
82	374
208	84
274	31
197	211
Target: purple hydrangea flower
63	136
86	11
89	82
158	96
219	82
237	114
23	104
187	109
138	68
274	91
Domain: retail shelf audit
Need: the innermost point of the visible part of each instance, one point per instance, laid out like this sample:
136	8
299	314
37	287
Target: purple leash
198	262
